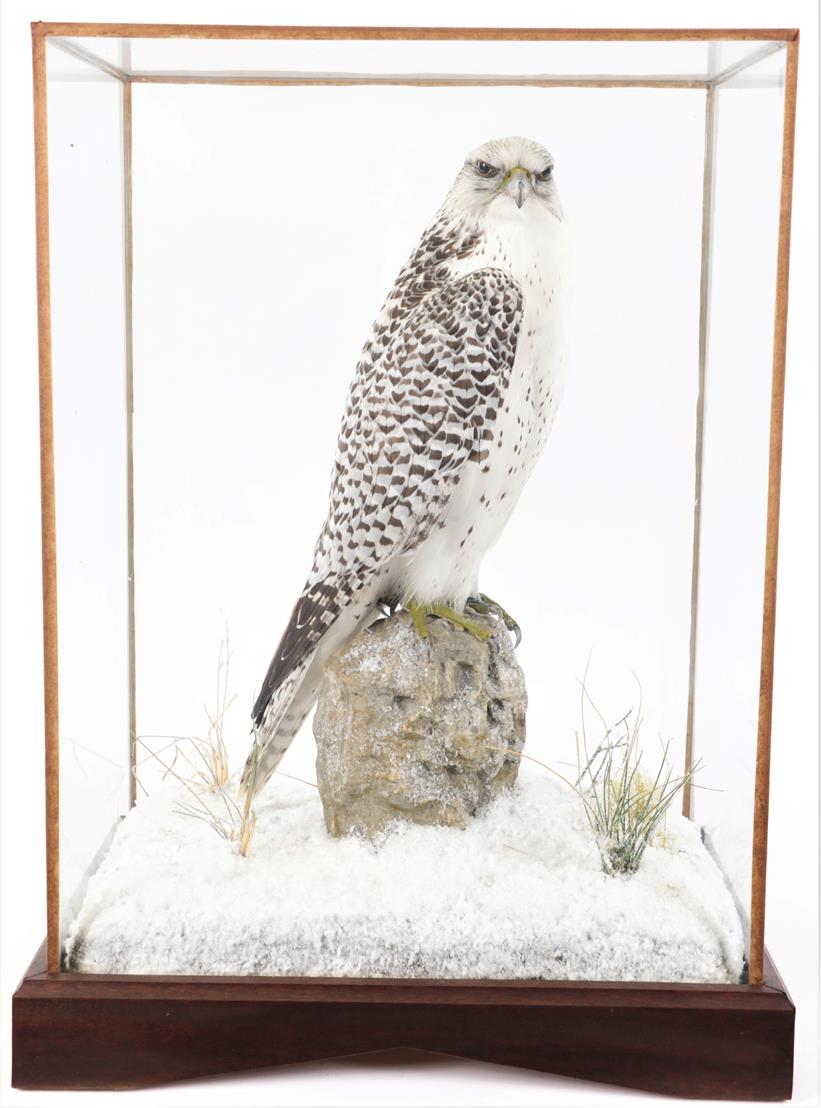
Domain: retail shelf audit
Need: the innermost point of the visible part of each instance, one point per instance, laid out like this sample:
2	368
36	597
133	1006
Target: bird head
514	172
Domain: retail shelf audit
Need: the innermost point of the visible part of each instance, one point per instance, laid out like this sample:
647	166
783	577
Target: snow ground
518	894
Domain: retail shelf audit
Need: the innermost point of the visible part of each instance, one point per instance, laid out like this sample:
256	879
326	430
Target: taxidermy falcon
450	406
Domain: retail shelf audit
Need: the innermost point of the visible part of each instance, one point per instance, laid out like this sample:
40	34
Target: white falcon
449	409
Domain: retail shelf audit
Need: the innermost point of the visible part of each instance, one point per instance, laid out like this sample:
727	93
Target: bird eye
484	169
546	173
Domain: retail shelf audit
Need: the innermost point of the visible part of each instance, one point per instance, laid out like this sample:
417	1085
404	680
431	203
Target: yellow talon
420	612
485	606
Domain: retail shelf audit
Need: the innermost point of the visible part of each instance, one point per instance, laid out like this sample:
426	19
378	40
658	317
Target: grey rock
414	729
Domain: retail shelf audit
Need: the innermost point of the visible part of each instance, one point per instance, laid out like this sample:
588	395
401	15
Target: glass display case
221	211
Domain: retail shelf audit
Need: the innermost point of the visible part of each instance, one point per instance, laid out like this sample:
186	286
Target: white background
245	339
268	225
793	875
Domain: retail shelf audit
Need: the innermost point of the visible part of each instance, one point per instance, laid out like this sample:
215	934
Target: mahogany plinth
83	1031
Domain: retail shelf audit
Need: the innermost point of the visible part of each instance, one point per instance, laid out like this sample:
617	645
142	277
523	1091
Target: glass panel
567	58
269	223
722	55
769	71
749	124
258	270
573	59
87	295
115	51
66	66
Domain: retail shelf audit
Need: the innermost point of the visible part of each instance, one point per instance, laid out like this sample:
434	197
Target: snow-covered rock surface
418	730
518	894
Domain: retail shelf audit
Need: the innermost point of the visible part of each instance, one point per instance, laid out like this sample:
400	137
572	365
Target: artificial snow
519	894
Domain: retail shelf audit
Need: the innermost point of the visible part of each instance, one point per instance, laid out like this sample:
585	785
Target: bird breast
532	250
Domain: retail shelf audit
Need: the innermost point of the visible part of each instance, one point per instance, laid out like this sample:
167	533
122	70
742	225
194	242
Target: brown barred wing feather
422	407
430	410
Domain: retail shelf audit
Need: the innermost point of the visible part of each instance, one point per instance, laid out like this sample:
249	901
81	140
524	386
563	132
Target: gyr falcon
449	409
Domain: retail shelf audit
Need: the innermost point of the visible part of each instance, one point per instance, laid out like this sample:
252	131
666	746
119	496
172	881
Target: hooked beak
517	185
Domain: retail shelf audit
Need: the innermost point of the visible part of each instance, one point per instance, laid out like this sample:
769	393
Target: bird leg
420	612
461	620
485	606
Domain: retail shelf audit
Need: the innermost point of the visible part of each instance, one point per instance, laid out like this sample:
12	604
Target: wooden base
82	1031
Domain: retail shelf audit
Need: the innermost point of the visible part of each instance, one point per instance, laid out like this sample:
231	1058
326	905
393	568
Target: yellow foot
420	612
485	606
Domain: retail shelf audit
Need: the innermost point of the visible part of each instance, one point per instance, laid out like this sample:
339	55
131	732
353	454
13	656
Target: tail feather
317	609
278	724
288	696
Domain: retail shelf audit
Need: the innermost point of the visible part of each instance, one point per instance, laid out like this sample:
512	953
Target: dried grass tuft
204	770
625	806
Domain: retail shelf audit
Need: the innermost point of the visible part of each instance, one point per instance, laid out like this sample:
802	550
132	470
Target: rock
417	729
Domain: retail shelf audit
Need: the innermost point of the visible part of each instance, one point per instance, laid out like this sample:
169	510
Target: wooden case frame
696	1040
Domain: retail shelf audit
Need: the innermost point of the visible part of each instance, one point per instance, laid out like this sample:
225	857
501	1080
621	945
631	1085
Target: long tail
292	683
280	721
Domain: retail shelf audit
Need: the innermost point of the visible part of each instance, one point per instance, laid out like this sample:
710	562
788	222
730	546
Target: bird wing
428	409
